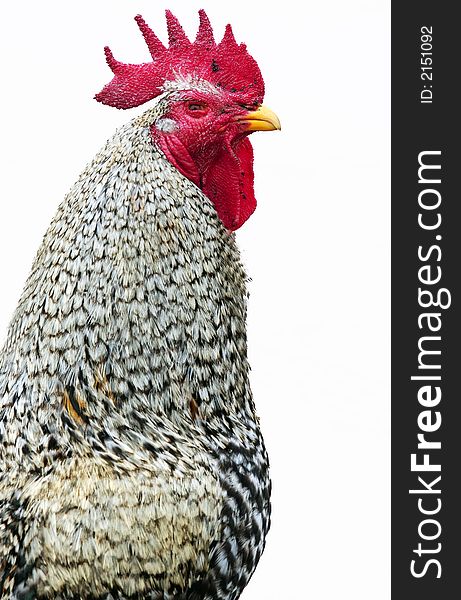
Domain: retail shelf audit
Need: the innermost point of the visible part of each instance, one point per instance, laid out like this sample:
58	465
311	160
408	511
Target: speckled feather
131	460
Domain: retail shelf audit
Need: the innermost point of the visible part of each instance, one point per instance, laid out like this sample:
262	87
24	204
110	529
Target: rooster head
212	96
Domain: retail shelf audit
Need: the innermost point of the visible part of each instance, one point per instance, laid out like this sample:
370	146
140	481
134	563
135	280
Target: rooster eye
198	108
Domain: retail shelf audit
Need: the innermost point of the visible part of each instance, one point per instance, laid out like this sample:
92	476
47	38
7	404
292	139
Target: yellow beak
262	119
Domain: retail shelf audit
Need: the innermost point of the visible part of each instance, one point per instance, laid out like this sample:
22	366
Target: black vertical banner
426	270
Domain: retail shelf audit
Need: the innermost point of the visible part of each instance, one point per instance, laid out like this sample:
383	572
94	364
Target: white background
317	247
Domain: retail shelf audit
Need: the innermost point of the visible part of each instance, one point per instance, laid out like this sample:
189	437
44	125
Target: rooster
131	459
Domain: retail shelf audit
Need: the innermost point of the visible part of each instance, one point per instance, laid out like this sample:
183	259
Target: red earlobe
178	155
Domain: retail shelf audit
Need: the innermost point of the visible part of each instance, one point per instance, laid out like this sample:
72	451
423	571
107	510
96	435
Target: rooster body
131	460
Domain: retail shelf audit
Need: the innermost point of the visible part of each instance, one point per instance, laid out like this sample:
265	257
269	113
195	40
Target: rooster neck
133	317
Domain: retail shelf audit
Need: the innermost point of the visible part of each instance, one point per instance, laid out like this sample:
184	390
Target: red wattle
229	182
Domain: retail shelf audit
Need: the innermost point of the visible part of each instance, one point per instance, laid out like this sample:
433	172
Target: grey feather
131	460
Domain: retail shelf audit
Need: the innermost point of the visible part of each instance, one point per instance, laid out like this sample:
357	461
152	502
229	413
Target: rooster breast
135	463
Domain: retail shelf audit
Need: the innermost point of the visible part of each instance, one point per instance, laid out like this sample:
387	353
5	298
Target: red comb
226	65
